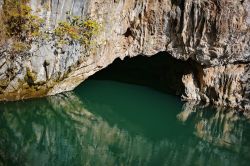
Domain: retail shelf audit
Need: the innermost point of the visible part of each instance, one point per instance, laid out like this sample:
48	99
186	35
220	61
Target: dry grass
3	31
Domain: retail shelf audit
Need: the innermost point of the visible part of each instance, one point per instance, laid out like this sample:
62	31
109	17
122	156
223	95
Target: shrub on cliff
3	34
19	24
76	29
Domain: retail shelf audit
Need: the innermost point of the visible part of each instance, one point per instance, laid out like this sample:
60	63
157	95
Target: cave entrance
160	71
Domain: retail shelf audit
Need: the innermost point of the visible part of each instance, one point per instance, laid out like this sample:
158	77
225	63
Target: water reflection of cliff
60	130
223	127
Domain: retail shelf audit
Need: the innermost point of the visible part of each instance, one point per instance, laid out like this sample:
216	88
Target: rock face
222	85
215	34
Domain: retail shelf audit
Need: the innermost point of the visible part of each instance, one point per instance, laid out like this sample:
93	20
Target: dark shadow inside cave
161	72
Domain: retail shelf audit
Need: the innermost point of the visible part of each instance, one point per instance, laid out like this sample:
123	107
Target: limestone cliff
213	33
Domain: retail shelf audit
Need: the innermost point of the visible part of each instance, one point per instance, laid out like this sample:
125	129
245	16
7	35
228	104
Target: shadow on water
134	125
161	72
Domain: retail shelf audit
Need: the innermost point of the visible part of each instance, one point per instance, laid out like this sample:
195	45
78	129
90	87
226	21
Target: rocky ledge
214	34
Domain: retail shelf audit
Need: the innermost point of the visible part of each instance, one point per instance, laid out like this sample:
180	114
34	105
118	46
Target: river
111	123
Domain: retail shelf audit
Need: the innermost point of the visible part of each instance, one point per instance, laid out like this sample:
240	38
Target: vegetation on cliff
77	29
21	25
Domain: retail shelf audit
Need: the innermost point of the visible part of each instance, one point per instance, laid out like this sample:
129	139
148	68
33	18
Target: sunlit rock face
213	33
60	130
222	85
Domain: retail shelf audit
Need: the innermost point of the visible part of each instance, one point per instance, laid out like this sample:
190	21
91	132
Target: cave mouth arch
160	71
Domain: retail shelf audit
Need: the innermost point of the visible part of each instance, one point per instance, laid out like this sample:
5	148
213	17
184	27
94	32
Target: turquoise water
109	123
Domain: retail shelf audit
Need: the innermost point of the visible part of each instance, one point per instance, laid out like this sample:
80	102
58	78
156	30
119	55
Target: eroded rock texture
214	33
222	85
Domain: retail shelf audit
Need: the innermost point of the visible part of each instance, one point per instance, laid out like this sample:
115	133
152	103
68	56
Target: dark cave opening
161	72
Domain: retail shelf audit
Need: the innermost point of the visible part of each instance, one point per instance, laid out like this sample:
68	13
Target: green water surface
108	123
